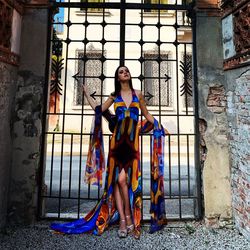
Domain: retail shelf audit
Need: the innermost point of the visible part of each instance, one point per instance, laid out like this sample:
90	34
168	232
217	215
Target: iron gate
156	40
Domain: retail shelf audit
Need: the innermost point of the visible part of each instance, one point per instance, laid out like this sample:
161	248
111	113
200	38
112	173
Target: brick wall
238	110
236	48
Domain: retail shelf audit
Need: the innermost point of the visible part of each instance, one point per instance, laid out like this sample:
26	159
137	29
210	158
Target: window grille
90	66
155	70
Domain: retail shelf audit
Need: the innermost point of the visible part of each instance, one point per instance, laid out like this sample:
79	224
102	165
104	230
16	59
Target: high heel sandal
122	233
131	227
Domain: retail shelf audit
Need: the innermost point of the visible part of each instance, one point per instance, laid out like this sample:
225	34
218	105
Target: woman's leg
120	207
124	190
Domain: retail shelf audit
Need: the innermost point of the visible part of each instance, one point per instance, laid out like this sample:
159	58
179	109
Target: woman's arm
93	104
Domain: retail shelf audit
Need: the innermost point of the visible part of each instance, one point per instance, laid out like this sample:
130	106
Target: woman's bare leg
124	191
120	207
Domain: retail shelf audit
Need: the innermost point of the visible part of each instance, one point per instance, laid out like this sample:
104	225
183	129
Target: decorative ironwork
167	77
186	87
148	96
56	85
57	65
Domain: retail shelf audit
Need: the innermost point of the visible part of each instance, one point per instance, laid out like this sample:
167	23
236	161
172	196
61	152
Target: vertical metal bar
81	132
170	167
141	80
122	31
63	119
185	77
102	72
196	109
188	165
159	65
51	164
178	115
55	102
151	142
80	166
70	165
42	166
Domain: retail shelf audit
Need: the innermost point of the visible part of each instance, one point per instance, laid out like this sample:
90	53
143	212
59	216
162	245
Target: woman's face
123	74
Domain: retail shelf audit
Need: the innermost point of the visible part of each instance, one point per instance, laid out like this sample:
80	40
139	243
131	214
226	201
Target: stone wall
10	22
238	111
213	120
8	76
27	117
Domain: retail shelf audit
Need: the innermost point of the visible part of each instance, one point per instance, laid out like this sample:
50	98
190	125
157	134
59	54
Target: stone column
10	19
7	92
27	114
212	112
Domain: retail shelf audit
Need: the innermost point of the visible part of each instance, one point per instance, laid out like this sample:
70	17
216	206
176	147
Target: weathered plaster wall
27	117
8	75
212	107
238	112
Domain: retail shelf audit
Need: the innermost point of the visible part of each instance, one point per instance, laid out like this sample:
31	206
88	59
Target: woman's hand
85	89
166	131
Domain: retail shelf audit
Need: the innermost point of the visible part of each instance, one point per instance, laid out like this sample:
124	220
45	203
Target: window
93	1
155	2
162	94
90	75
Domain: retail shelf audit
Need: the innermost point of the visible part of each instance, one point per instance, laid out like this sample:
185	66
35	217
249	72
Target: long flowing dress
124	154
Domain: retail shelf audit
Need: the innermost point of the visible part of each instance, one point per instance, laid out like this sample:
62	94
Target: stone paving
191	235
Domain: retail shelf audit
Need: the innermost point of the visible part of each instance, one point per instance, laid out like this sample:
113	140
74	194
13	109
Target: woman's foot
122	231
130	225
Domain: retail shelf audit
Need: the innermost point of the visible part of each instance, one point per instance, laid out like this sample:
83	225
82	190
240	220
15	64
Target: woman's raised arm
93	104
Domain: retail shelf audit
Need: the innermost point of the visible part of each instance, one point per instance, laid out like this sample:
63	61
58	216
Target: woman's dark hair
117	83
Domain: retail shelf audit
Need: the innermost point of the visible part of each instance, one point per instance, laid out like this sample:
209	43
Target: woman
122	192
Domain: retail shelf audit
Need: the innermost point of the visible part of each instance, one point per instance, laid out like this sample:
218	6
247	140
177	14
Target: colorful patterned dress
123	154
